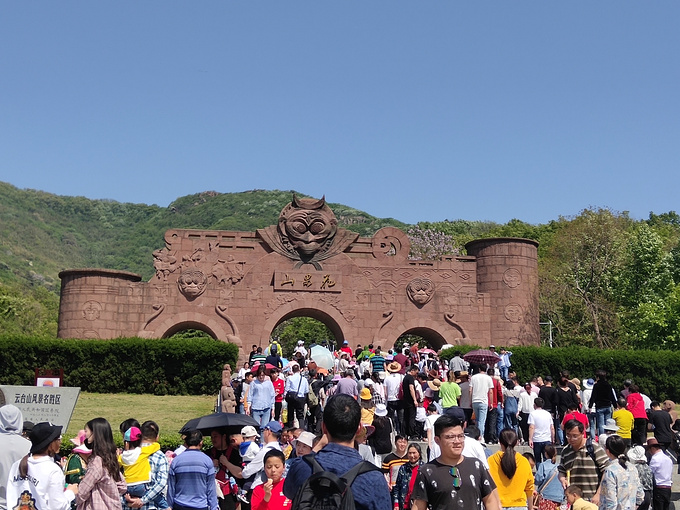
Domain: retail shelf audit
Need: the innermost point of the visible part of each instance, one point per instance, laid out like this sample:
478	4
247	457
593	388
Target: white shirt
392	383
661	466
481	384
257	464
474	449
542	421
526	401
45	482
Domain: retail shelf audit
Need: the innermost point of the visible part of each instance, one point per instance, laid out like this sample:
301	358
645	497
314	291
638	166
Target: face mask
87	443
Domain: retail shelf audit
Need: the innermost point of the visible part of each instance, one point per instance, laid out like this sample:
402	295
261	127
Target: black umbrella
482	357
210	422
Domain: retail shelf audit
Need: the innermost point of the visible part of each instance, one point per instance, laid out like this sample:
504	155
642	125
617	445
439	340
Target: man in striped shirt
191	481
582	462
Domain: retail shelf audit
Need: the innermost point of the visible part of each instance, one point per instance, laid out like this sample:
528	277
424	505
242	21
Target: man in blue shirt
295	392
341	422
191	481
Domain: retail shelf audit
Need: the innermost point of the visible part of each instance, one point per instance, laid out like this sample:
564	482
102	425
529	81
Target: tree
585	255
430	244
301	328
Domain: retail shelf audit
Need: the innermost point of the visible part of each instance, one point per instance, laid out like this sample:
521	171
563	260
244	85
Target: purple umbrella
482	357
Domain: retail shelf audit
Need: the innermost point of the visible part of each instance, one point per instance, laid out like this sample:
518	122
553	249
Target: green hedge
168	366
656	372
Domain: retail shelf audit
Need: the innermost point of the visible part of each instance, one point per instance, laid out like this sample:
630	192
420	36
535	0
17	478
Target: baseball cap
274	426
133	434
249	431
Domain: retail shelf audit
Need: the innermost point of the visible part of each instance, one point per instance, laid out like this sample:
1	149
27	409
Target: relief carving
307	232
512	277
192	283
513	312
228	271
92	310
420	291
390	243
158	309
164	262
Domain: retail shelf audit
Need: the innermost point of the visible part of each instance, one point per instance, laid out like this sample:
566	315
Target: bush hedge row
168	366
656	372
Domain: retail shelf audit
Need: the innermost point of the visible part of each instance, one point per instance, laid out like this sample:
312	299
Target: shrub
166	366
656	372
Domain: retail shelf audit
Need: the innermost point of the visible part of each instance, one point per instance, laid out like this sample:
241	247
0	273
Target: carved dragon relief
307	232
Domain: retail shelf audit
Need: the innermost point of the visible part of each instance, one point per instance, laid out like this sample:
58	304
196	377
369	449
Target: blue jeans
539	448
499	419
592	421
262	416
504	372
480	409
603	415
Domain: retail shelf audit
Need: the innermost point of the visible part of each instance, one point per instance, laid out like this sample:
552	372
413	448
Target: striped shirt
191	481
581	468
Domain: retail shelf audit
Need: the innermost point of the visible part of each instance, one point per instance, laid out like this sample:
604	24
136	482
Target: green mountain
42	234
605	279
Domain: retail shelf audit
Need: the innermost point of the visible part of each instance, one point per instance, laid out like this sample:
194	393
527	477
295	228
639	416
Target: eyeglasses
456	477
453	438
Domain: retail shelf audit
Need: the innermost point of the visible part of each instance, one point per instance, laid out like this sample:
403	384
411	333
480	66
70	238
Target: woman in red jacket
636	405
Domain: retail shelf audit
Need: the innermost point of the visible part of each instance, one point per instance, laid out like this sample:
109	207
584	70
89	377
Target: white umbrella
323	357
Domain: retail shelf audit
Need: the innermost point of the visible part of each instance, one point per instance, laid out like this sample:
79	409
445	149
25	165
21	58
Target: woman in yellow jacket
512	474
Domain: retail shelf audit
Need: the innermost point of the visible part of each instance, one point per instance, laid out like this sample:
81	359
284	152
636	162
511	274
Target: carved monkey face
420	290
306	225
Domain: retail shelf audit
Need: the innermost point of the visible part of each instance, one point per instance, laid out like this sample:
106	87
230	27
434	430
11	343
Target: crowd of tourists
379	430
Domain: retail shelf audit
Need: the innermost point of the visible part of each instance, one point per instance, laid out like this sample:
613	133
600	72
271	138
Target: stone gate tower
238	286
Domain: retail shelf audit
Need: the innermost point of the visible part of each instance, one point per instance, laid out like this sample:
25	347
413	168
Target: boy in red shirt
574	414
269	496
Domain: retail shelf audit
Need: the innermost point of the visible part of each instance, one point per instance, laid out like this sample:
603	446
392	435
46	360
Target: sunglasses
456	477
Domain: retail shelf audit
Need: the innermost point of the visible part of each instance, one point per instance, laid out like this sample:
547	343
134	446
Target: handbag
293	395
538	497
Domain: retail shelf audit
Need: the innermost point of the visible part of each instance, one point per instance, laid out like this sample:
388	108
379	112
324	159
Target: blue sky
425	110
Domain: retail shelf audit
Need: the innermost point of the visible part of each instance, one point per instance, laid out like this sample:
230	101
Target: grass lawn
170	412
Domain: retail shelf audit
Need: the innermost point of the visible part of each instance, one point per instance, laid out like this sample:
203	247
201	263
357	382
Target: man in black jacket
604	398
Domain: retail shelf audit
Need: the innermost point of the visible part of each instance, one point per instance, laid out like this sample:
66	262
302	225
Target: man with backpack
584	460
338	462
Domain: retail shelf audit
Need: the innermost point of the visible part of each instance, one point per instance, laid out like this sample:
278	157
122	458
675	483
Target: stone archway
238	286
319	311
198	321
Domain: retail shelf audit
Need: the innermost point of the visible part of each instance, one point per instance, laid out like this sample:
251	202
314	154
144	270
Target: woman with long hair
103	484
512	473
37	477
547	481
406	476
620	488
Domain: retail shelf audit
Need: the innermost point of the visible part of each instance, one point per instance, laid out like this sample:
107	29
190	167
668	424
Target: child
269	496
135	463
532	460
575	499
248	450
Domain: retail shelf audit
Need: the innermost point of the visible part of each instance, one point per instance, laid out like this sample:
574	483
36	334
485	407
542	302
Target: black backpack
325	490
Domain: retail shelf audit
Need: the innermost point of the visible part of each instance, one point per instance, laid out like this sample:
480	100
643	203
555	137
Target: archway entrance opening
310	326
190	330
424	337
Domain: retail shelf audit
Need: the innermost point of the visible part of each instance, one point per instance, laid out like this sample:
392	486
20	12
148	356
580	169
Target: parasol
323	357
219	421
427	351
482	357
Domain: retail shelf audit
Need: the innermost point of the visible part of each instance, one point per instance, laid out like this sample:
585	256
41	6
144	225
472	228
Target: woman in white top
36	480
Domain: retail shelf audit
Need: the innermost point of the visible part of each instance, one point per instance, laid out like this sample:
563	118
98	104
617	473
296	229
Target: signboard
39	404
306	281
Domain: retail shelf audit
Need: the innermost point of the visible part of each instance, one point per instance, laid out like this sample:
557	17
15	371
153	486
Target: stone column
507	269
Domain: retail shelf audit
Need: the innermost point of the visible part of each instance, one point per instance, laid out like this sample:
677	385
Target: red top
347	350
577	416
636	405
279	386
277	502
